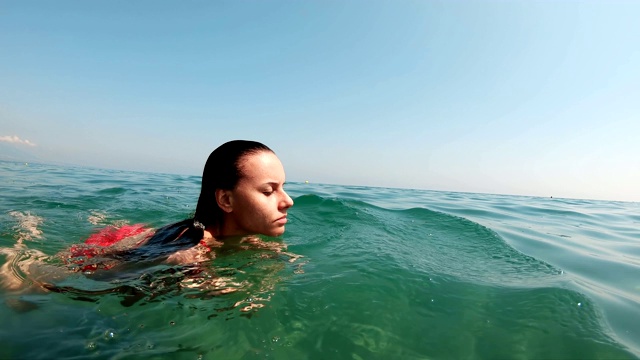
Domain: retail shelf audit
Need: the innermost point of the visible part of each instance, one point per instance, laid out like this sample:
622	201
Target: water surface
384	273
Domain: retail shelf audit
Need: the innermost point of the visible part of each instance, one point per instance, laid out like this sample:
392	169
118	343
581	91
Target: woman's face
258	203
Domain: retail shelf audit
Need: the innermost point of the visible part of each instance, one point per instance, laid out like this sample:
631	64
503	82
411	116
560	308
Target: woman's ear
223	198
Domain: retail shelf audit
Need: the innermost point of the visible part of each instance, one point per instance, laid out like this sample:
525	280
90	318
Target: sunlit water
384	273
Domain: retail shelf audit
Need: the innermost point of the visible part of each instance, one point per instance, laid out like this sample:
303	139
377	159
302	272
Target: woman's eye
268	192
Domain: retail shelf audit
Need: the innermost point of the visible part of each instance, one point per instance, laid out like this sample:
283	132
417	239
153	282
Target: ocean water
372	273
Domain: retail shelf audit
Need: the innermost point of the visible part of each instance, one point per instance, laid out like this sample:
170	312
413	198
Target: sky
534	98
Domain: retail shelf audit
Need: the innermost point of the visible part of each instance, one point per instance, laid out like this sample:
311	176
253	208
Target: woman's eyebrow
271	183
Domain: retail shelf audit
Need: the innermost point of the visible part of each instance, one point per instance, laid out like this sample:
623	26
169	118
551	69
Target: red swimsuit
98	244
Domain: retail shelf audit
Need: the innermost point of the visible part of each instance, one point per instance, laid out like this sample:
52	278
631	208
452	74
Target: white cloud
16	140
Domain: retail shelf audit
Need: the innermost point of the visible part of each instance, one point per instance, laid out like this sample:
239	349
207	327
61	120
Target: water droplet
275	339
110	334
91	346
172	323
579	304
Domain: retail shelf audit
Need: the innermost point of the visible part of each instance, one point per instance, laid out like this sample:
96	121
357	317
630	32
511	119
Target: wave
418	239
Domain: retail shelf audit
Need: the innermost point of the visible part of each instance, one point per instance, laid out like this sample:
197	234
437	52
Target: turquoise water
384	273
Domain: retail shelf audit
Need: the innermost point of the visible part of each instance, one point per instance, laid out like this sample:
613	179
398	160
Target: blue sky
530	98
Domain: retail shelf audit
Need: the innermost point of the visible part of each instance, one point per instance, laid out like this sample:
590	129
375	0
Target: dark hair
221	171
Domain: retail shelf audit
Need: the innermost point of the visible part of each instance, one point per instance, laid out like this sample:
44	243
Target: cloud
16	140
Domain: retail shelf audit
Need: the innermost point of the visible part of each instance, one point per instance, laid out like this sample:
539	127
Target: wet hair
221	171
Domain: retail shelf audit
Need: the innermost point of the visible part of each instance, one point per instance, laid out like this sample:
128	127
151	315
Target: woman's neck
216	236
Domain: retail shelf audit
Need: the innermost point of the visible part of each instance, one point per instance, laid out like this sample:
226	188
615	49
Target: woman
242	194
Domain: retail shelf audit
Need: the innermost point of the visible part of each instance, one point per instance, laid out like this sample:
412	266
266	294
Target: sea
368	273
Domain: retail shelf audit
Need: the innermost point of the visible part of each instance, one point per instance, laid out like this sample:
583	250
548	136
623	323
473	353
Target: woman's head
242	190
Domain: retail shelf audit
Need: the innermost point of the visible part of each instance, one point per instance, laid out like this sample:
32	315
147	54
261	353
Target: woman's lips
282	220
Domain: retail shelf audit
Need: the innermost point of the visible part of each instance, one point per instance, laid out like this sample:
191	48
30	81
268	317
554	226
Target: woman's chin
277	232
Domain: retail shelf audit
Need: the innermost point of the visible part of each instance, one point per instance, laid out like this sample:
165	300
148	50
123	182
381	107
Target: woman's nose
287	202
